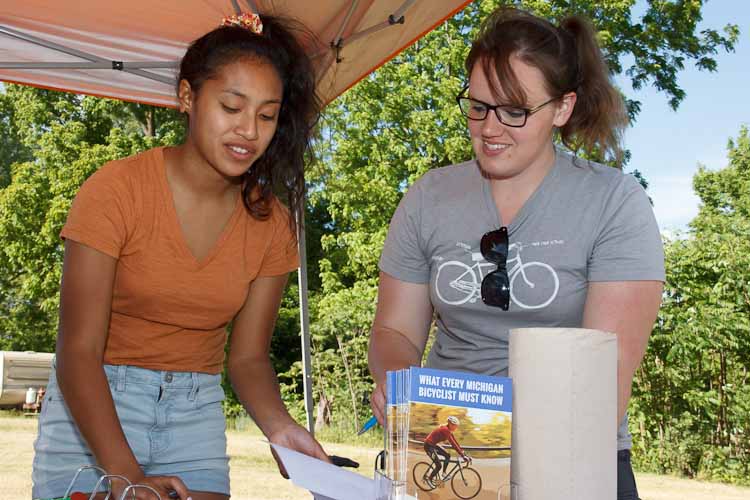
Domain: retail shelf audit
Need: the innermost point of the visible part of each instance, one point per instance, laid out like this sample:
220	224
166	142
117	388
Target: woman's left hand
295	437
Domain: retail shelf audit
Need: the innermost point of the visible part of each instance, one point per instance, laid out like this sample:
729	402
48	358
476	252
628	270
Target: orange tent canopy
74	45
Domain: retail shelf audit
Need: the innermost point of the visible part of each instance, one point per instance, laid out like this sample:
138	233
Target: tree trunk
149	125
323	414
349	381
723	423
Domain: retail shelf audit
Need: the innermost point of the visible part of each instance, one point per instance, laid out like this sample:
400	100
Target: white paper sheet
325	481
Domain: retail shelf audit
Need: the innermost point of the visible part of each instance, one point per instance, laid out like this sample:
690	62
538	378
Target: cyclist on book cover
435	451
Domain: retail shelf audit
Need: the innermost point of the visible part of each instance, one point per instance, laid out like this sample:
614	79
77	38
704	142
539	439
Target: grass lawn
254	475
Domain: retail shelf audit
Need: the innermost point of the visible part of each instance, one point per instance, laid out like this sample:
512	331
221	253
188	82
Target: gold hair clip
245	20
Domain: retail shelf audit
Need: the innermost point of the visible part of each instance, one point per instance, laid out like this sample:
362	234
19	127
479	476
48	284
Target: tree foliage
57	140
691	396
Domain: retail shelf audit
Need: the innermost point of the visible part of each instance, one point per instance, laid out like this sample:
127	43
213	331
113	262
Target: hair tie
245	20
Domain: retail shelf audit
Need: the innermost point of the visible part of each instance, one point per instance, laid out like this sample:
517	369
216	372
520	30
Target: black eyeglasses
496	285
512	116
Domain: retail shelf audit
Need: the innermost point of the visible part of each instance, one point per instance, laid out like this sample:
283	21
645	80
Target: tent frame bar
116	65
397	17
352	8
77	53
136	68
250	4
253	6
338	43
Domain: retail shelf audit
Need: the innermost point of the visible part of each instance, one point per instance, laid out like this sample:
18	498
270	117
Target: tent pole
304	318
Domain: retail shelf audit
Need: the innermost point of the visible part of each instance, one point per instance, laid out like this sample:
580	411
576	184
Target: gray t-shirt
586	222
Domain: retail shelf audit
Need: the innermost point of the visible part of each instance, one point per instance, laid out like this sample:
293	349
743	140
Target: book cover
459	435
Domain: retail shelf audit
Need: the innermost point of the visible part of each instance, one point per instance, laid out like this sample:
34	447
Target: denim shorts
173	422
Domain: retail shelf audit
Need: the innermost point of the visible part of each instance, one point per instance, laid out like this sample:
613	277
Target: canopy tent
130	51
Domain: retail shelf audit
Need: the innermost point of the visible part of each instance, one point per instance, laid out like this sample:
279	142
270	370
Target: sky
667	146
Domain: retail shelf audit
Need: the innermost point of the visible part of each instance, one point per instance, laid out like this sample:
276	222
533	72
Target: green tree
12	149
691	409
59	139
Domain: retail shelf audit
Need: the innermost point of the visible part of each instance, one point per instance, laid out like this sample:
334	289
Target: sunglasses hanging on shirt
496	285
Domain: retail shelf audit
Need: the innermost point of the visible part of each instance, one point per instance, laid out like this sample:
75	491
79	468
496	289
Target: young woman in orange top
162	251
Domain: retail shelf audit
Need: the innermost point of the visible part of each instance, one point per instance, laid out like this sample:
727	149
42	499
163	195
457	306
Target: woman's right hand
163	485
297	438
377	402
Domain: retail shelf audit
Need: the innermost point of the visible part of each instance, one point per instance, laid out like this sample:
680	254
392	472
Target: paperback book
448	434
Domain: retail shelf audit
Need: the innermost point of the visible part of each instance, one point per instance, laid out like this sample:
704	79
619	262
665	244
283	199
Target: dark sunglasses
496	285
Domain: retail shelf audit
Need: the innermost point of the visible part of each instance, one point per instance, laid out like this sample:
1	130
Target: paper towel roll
564	414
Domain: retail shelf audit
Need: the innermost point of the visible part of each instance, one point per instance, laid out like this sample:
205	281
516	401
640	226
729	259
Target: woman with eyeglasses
525	234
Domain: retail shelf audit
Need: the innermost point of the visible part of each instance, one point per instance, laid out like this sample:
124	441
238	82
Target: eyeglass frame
490	107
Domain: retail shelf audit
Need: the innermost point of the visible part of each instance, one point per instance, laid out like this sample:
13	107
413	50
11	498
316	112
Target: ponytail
599	118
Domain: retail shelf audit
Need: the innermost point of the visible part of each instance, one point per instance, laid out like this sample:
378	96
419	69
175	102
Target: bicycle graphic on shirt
467	280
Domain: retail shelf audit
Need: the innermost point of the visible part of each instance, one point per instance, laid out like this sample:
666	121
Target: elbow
372	360
376	350
631	354
239	366
67	356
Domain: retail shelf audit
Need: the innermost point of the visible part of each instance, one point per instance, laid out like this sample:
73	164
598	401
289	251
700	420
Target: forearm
629	310
630	355
623	396
255	384
84	386
390	350
457	446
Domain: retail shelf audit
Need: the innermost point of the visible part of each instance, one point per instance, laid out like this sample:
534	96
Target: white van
21	371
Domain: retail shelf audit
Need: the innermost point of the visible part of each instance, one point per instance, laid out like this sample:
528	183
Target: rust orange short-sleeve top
169	310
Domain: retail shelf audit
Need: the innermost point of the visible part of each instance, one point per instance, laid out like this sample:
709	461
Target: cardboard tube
564	414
